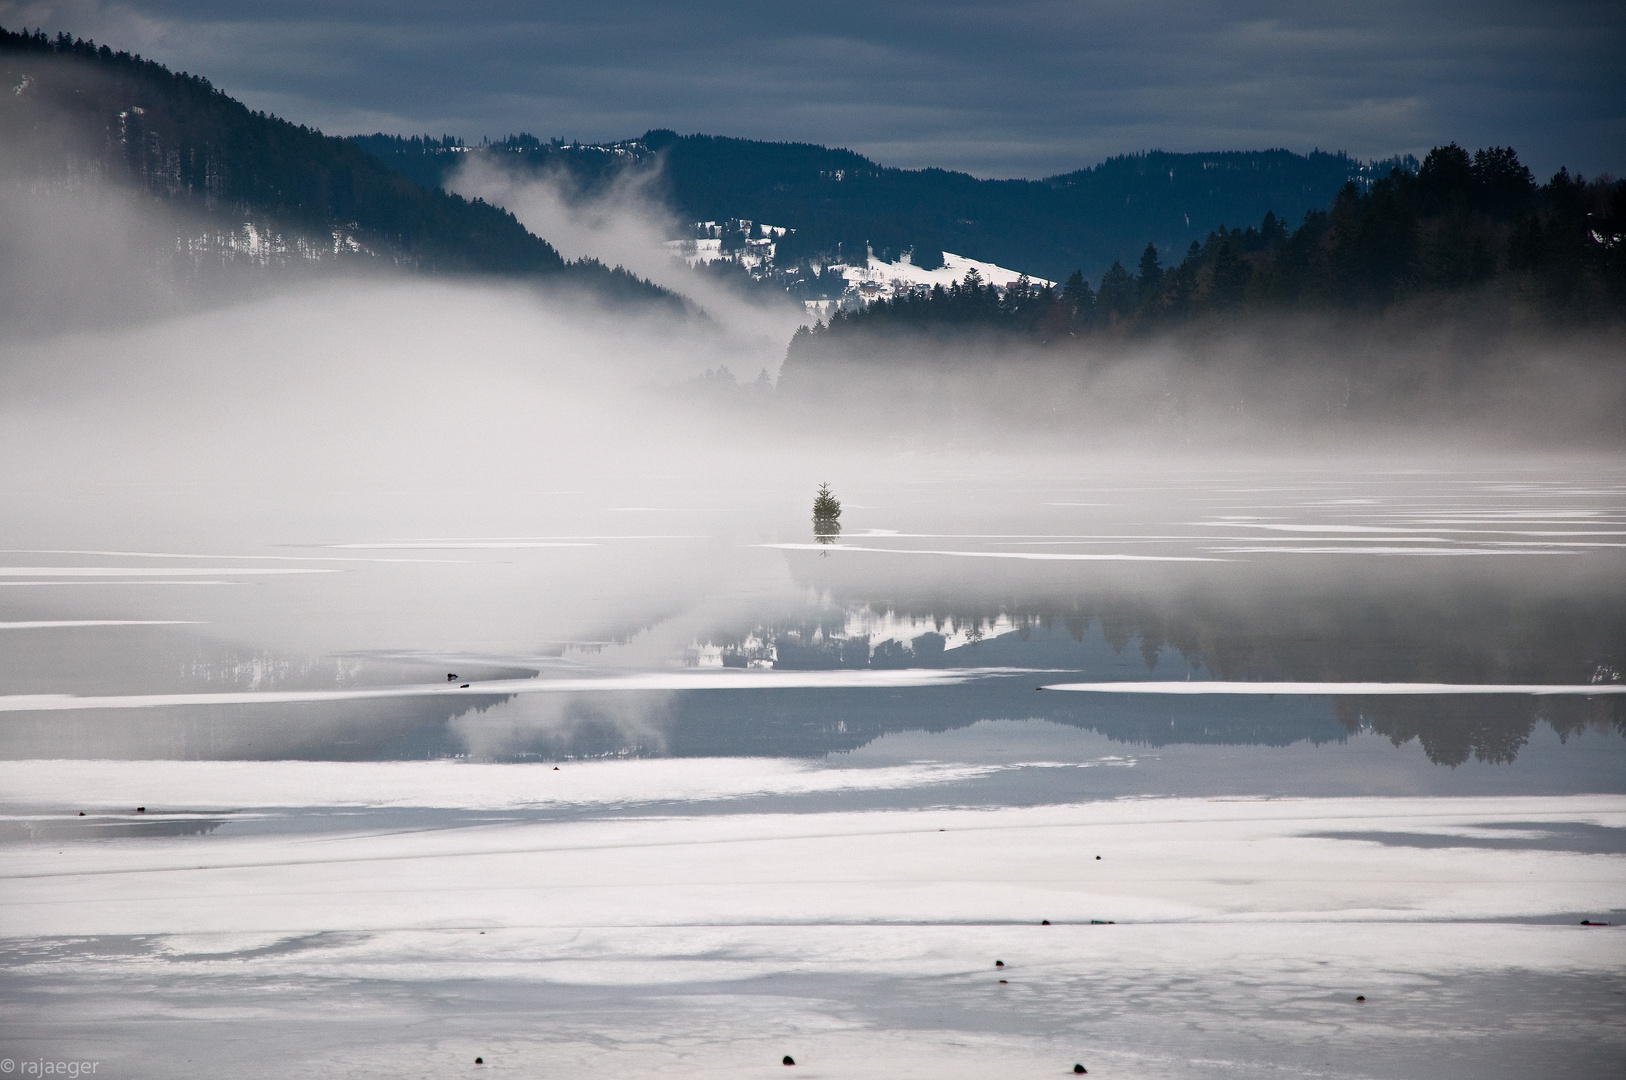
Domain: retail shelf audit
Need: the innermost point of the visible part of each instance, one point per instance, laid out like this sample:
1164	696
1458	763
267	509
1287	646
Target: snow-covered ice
645	681
1343	689
1211	935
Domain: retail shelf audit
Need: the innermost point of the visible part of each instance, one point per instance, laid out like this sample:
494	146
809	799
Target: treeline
87	112
423	159
842	205
1460	222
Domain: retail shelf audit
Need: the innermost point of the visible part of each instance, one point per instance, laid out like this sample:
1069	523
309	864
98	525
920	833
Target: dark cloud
1020	88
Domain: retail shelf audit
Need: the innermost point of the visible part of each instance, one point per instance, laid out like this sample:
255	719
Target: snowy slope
898	276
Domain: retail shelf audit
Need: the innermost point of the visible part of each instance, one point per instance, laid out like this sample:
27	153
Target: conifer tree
826	512
1151	269
1117	296
1078	300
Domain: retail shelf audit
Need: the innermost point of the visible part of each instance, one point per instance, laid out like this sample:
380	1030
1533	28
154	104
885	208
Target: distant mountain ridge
841	204
79	113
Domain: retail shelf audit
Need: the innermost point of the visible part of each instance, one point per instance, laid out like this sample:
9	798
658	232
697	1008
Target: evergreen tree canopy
1461	222
826	513
1151	268
1116	297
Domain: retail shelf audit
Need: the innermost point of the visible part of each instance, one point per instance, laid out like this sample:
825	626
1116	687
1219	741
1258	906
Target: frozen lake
713	793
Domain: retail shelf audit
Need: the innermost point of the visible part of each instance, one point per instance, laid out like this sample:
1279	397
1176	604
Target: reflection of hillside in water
1453	729
1403	624
1556	622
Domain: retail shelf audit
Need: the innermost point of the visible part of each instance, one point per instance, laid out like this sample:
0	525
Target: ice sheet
1360	689
150	571
55	624
1033	556
1233	936
215	785
1162	861
699	680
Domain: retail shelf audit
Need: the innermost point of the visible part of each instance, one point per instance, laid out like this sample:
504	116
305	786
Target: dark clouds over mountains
1018	88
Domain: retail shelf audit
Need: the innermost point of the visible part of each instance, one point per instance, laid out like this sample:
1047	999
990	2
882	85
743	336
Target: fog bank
627	225
1430	378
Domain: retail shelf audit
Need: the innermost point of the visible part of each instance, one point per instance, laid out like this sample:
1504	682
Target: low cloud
626	224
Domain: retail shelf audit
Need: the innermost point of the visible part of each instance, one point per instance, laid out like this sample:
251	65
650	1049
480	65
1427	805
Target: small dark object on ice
1360	997
1080	1069
81	813
1102	922
479	1061
788	1060
450	677
1002	982
1044	922
141	809
1098	858
999	963
1589	922
556	768
465	686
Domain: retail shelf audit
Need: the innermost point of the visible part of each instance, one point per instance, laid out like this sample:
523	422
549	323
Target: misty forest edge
1460	230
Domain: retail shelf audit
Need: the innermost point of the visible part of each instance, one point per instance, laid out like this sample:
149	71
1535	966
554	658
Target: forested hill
74	112
1464	299
1463	226
839	201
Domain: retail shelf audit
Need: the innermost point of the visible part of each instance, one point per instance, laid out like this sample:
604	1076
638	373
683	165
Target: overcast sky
996	88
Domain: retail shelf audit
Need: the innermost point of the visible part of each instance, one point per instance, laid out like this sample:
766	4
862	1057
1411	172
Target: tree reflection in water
1407	625
1489	729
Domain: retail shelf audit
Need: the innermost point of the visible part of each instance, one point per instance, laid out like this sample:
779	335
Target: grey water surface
1007	580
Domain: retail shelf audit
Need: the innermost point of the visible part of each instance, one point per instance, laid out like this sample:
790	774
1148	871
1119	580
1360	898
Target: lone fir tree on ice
826	514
